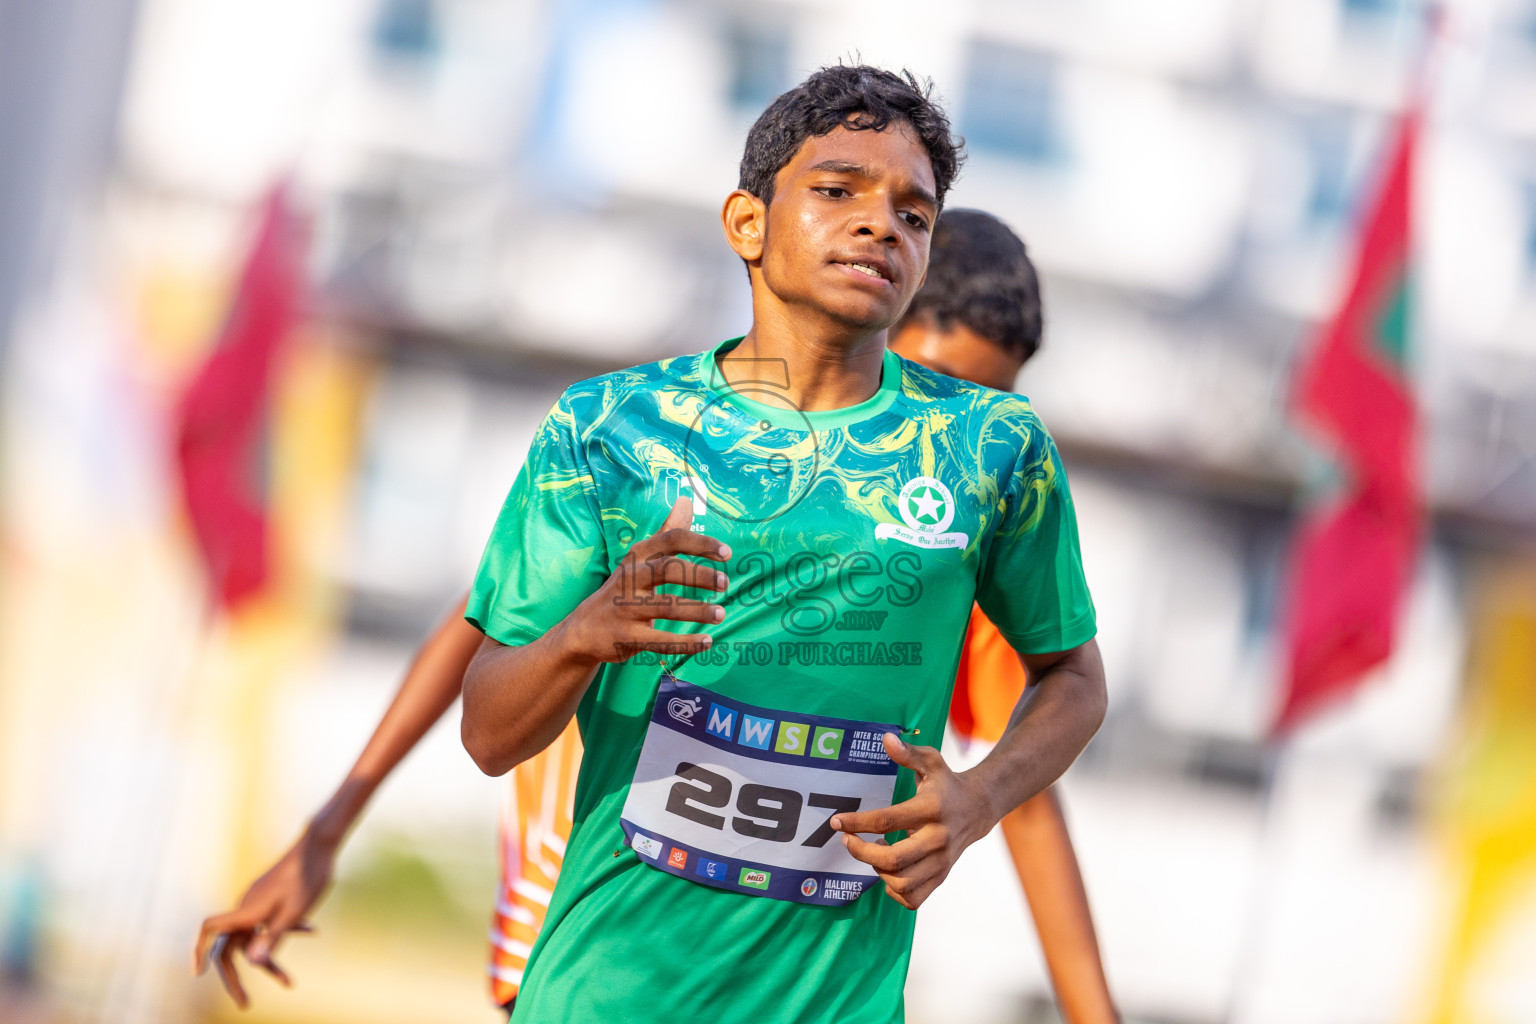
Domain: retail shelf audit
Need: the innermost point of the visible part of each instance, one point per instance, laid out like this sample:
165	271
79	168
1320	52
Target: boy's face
957	352
851	198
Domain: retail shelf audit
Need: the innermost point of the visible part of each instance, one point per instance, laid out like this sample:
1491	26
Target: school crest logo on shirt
926	508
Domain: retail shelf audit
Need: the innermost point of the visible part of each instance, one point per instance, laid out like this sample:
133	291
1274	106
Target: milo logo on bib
741	798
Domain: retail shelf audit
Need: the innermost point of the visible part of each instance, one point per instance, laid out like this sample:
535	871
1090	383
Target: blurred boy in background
978	318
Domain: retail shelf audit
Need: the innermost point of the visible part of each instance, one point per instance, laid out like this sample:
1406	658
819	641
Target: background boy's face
846	198
957	352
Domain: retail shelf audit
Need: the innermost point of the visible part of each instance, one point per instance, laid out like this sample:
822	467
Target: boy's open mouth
878	270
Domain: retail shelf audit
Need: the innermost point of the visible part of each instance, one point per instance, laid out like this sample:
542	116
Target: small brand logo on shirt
677	858
808	887
645	846
926	508
692	488
754	878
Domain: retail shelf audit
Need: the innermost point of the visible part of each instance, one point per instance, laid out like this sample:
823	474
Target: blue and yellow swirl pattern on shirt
860	538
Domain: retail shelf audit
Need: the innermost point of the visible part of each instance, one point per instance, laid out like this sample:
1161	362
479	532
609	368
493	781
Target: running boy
978	317
850	505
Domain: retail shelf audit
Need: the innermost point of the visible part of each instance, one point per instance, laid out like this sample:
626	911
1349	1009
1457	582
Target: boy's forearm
1053	722
518	699
1041	847
336	816
429	688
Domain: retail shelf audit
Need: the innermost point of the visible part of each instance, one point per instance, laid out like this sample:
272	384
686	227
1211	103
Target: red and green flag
223	412
1353	558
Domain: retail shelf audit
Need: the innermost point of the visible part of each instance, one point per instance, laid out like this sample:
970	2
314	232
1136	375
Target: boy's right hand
274	905
619	619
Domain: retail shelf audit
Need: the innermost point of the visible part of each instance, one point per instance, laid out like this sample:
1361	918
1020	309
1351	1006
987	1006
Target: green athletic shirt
859	539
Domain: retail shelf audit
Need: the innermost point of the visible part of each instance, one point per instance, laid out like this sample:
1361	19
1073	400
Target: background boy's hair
979	275
860	98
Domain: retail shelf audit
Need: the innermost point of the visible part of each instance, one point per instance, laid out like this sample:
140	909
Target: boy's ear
745	219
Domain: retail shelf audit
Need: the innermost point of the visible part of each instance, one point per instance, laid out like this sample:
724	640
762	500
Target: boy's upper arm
546	553
1032	585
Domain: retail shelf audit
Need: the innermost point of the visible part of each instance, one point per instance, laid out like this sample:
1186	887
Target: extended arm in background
1036	833
277	902
988	686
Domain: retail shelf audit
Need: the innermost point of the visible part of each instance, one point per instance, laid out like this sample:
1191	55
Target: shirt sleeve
546	553
1032	585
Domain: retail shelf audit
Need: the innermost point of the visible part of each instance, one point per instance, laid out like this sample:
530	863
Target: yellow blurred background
505	196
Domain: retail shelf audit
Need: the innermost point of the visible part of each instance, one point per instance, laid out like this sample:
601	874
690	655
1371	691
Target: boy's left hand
948	813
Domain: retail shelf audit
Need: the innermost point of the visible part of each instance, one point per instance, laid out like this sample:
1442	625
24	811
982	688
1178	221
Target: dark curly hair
979	275
859	98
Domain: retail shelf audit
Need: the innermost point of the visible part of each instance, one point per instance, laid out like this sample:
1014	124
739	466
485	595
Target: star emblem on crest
927	508
926	505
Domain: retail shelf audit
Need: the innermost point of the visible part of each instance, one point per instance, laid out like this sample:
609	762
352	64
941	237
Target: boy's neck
821	370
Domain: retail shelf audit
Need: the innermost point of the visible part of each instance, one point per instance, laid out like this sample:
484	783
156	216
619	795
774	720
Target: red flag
222	412
1353	560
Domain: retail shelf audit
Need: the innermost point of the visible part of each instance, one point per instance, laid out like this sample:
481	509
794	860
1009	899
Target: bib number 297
767	812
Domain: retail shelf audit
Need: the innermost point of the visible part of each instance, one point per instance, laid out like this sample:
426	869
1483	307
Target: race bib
741	798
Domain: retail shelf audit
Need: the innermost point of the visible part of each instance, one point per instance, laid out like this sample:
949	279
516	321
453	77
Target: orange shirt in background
988	683
535	826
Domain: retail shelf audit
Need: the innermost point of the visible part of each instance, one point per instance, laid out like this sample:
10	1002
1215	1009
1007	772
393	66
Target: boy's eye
832	191
915	221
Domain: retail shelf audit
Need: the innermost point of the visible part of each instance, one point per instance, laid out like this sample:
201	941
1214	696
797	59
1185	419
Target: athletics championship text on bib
740	797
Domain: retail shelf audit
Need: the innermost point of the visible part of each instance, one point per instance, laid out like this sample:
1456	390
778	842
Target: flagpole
1256	911
141	917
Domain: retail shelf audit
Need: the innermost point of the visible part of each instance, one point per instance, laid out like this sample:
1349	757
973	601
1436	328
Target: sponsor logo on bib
683	710
808	887
755	732
792	736
926	508
828	742
678	858
712	869
722	722
754	878
646	846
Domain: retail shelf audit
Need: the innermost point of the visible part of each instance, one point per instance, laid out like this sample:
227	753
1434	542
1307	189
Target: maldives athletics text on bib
741	797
